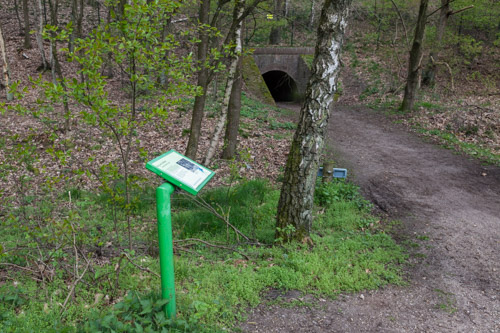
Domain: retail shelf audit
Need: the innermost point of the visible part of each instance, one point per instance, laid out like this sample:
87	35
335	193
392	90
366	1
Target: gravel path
449	207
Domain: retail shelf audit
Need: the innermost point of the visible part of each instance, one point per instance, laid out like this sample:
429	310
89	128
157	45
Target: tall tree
77	7
57	74
5	67
415	61
26	14
275	34
203	80
294	218
233	115
38	34
445	13
205	74
239	8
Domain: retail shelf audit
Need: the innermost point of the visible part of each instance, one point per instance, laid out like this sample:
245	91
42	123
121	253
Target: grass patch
308	59
450	141
266	114
447	301
214	286
428	105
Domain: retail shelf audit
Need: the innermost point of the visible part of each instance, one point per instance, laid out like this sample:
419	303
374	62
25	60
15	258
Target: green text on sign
181	171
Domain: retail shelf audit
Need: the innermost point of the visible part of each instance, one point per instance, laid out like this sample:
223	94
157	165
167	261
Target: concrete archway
282	86
287	60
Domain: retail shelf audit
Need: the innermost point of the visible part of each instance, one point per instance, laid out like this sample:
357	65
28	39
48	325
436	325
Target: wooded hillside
93	89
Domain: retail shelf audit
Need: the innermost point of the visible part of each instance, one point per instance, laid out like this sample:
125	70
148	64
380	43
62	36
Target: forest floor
448	212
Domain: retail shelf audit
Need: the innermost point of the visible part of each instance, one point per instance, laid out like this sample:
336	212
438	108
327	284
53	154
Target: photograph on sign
182	169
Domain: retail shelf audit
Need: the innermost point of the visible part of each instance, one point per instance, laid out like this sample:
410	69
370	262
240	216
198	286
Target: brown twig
72	290
461	10
139	266
212	245
19	267
178	248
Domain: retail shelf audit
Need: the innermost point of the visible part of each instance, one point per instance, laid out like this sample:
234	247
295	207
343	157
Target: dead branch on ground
212	245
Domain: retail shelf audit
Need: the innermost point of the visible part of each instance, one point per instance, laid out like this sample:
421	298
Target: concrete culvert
281	85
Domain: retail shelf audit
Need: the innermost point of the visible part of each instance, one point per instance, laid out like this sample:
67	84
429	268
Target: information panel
181	171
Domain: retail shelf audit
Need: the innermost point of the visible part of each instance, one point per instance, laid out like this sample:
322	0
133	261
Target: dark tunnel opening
281	85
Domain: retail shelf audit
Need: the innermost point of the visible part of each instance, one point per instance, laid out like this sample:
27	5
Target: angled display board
181	171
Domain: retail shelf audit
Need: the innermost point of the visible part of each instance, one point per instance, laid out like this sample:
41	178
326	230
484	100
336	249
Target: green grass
214	286
428	105
450	141
447	301
265	114
308	59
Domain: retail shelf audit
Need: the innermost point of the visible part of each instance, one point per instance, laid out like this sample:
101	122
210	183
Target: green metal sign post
163	194
184	173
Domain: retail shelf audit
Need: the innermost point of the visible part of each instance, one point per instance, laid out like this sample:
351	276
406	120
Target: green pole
163	193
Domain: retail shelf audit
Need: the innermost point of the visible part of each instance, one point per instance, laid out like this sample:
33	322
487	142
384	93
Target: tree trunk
108	61
27	37
415	59
430	72
57	74
199	101
233	116
239	7
294	218
311	17
5	67
205	75
39	40
275	35
76	19
16	9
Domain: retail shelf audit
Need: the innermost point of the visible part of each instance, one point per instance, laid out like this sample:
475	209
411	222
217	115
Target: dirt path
449	207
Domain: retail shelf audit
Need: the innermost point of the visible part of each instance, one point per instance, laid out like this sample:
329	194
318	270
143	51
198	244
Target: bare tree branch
403	23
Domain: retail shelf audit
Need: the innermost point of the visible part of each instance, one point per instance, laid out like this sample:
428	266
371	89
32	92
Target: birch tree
5	67
239	7
202	77
294	218
233	116
208	63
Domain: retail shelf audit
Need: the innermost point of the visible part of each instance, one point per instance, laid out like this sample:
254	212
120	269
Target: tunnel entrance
281	85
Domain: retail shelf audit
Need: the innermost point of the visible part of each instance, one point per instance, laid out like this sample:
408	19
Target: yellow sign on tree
270	16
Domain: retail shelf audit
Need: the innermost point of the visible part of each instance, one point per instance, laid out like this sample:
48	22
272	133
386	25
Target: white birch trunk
296	199
311	21
5	67
214	141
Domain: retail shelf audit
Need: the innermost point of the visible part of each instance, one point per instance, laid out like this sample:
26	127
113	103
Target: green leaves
138	313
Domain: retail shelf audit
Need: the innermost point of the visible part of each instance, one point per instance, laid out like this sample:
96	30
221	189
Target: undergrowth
219	274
